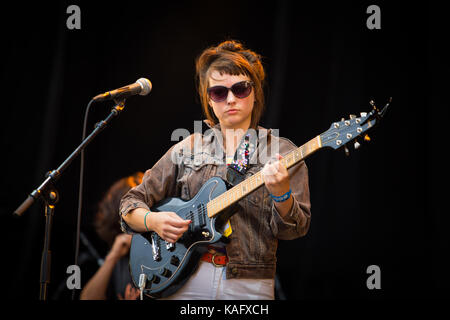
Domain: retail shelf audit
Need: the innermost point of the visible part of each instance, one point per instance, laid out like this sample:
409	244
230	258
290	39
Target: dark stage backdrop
383	205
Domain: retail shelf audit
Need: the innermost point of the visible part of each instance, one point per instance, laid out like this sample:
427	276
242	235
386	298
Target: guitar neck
250	184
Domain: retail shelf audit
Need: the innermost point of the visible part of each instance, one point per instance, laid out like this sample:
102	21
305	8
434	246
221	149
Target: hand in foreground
131	293
121	246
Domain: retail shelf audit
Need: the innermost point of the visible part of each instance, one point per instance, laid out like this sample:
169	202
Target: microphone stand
50	196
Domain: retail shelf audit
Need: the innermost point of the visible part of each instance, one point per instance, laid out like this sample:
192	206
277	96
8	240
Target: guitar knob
366	138
165	272
151	277
205	234
356	145
175	261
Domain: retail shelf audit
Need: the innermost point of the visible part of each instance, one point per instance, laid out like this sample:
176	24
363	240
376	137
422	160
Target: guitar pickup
191	225
201	215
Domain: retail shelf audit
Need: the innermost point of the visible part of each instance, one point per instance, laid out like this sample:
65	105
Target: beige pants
209	283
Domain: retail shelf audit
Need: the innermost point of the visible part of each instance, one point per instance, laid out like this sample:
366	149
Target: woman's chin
235	121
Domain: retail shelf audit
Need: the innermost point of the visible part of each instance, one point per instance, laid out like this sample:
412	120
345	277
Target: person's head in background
106	219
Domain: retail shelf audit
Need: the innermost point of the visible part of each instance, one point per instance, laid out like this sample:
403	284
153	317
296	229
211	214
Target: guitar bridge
198	218
170	246
156	251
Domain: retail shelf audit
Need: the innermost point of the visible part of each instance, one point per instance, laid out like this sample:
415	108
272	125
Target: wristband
281	198
145	220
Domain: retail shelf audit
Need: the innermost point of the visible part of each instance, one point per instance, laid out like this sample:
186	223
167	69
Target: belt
217	259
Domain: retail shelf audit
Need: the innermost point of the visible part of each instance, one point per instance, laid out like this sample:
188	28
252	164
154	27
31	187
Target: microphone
142	87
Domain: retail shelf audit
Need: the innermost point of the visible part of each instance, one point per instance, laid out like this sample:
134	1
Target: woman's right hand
168	225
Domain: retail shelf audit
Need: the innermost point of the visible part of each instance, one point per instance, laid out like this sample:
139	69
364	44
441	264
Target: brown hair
106	220
231	57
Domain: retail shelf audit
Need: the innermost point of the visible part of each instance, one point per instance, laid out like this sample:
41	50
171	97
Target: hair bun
231	45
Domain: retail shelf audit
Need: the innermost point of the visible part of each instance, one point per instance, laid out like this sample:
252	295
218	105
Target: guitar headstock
355	129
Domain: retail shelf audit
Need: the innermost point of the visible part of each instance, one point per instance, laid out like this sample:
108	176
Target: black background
384	205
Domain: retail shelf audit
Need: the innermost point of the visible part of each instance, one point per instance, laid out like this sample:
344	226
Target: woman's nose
231	98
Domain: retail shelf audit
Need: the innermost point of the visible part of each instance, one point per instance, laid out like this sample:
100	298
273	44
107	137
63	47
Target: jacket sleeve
296	223
158	183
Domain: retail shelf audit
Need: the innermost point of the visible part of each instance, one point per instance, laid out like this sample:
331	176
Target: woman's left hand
276	177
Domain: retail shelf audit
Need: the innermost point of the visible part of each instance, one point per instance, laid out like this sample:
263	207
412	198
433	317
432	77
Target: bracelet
145	220
281	198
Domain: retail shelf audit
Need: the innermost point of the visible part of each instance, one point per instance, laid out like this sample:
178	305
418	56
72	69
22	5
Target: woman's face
233	112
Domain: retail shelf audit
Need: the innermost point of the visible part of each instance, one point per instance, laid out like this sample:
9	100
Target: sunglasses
240	90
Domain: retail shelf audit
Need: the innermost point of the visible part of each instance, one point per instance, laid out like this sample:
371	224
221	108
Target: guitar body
173	265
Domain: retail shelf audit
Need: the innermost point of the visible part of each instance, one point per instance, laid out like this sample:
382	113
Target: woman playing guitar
241	266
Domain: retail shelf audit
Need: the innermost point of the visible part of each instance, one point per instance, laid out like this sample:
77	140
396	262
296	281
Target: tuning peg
346	122
372	103
347	152
366	138
352	116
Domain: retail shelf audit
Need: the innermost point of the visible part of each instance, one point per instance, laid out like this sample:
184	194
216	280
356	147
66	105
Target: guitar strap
237	169
239	166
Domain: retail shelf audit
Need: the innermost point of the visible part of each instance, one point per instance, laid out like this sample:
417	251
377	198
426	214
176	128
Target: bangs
233	66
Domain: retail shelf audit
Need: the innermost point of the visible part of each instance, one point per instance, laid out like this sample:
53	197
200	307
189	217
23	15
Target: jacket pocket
195	170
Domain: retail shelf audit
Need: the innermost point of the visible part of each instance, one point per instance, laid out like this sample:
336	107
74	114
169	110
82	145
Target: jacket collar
262	132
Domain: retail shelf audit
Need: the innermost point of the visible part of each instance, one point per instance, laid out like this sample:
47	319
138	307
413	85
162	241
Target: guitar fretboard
255	181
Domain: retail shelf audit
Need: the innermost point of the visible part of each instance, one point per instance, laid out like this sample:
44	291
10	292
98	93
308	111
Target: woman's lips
232	111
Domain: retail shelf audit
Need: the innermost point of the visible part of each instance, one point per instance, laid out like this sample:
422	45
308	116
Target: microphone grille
146	86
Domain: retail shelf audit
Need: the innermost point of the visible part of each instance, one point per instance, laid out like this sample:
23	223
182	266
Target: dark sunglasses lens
242	89
218	93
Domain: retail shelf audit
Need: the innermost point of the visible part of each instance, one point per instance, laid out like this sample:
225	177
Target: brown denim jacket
256	226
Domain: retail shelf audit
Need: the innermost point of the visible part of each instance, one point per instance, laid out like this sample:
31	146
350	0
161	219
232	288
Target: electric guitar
160	268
